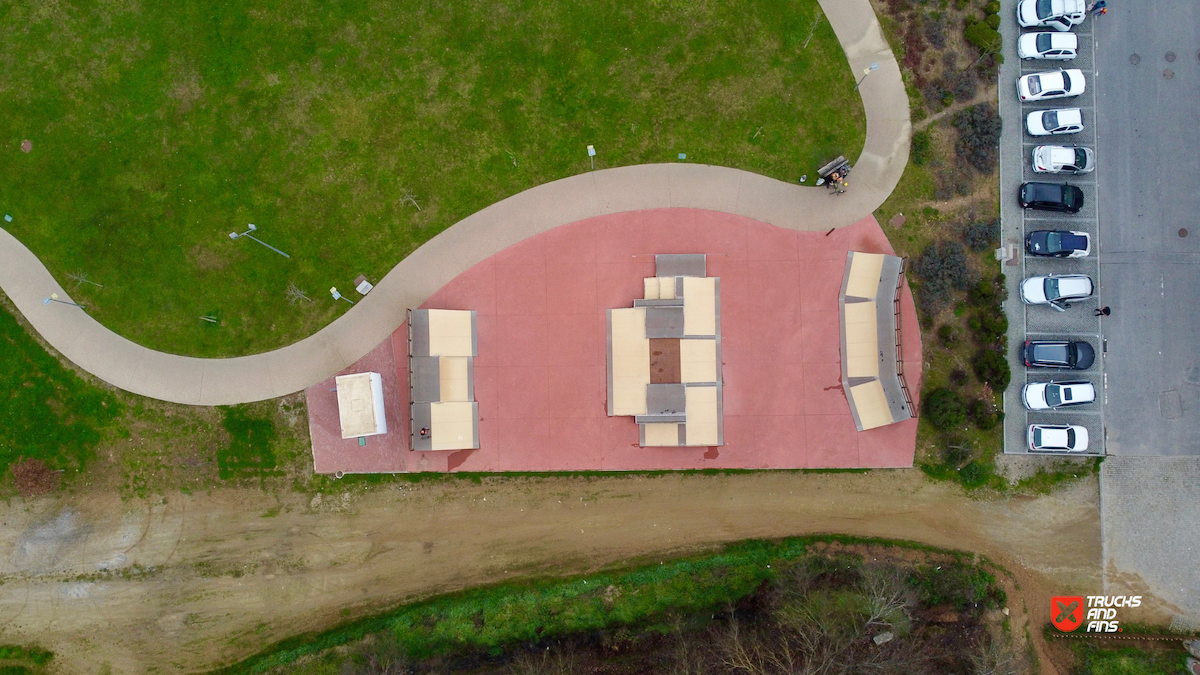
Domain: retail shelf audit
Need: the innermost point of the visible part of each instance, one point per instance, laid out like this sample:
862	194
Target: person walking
1103	311
1098	8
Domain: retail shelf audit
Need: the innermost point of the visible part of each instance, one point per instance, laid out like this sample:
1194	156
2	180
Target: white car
1051	395
1061	15
1063	159
1051	84
1058	437
1054	122
1056	289
1050	46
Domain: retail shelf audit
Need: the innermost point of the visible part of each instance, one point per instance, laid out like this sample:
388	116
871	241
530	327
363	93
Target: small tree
992	368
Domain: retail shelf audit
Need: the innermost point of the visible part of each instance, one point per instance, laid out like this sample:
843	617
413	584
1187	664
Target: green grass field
46	411
159	129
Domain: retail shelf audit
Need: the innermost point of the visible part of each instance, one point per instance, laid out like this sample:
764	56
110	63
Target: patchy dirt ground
192	582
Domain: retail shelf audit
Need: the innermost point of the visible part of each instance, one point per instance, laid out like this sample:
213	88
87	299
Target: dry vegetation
949	199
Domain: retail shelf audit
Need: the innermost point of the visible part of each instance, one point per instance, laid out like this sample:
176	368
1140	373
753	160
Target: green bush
982	235
944	409
992	7
993	20
991	367
989	327
983	37
957	584
984	415
947	335
955	450
922	148
976	474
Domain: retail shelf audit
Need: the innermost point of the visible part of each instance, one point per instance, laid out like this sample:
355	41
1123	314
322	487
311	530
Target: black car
1050	197
1058	243
1058	354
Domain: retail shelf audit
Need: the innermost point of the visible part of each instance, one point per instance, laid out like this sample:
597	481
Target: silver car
1063	159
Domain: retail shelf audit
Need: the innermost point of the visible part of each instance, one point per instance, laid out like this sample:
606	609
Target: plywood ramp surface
871	404
451	333
699	306
703	423
862	340
452	425
629	360
454	374
863	281
697	360
661	435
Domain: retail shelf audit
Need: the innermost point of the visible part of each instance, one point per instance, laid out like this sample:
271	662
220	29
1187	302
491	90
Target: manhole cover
1183	231
26	145
1168	73
1170	57
1135	59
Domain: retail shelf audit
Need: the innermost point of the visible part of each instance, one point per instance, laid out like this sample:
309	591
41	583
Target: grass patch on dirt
47	412
488	620
352	133
18	660
1093	659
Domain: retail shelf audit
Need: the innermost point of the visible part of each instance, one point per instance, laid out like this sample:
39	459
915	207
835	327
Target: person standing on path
1103	311
1098	8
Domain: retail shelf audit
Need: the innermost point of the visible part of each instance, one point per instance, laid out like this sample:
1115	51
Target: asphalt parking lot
1142	63
1148	154
1041	322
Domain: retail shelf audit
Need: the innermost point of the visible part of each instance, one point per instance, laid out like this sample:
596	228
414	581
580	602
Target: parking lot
1142	64
1149	169
1042	322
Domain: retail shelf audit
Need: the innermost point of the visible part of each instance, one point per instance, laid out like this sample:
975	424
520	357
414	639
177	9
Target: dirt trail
233	571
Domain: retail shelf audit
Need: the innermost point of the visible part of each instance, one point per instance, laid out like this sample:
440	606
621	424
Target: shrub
955	451
992	368
947	335
984	415
944	409
942	268
993	20
965	85
992	7
922	148
988	292
979	136
974	475
982	36
982	235
989	327
958	377
935	30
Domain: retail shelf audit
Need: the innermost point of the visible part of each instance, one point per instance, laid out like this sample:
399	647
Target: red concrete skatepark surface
540	377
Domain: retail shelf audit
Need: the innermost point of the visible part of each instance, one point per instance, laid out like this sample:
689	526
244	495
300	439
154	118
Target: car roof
1053	437
1060	40
1068	115
1075	285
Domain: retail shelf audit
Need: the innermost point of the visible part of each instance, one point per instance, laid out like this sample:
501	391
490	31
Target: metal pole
266	244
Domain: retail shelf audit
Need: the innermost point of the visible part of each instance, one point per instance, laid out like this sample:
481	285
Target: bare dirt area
191	582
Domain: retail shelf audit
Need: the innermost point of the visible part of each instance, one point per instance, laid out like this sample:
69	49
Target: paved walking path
181	379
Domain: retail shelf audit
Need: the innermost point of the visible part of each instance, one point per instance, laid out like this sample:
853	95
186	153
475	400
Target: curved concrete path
196	381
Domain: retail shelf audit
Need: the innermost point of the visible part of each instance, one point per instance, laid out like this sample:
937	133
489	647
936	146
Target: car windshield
1043	43
1051	287
1070	438
1066	81
1037	436
1045	9
1054	242
1069	197
1035	85
1053	397
1080	158
1050	120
